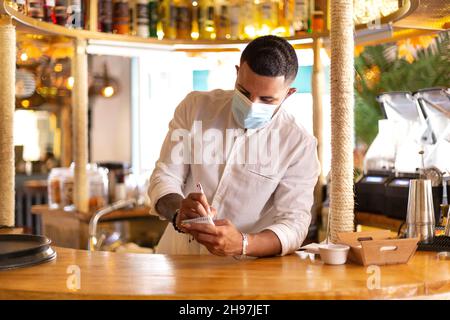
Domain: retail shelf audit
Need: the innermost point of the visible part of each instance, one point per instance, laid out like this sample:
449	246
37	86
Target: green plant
379	69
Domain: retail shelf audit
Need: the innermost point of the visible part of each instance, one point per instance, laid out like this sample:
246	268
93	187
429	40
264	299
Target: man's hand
222	239
193	206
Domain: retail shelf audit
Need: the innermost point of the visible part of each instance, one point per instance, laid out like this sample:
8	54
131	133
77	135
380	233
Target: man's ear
291	91
237	69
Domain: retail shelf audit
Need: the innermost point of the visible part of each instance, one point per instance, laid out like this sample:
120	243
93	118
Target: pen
200	189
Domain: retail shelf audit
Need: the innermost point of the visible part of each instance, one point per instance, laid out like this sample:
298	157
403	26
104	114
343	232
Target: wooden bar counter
105	275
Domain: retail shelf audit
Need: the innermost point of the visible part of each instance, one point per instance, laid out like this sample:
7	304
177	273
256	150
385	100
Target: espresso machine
413	142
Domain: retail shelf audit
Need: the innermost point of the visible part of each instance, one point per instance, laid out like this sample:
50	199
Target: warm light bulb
250	31
194	3
25	103
24	57
58	67
108	92
195	35
70	83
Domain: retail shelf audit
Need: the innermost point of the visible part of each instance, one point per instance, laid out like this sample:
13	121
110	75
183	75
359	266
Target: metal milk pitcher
420	215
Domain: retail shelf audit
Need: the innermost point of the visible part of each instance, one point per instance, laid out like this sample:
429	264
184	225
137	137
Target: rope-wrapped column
7	96
80	125
342	101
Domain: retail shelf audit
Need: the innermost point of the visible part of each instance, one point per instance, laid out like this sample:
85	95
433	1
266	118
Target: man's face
262	89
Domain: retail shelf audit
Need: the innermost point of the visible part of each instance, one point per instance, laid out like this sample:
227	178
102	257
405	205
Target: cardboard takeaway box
376	248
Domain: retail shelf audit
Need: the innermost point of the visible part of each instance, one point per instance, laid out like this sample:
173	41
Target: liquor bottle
286	18
49	11
168	15
61	12
268	16
309	18
223	25
184	19
249	19
105	13
301	16
74	15
318	16
142	18
172	27
152	18
132	14
121	17
195	23
35	9
206	20
234	19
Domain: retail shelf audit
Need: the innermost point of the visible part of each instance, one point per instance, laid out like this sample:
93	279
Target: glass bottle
105	15
249	19
195	23
153	18
234	19
132	15
318	16
49	11
223	20
184	19
74	15
318	21
121	18
286	18
61	12
301	14
268	16
206	20
168	15
35	9
142	18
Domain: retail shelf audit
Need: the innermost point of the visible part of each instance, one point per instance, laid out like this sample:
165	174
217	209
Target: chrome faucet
94	242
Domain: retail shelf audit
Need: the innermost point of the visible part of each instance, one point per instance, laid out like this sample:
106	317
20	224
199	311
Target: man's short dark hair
271	56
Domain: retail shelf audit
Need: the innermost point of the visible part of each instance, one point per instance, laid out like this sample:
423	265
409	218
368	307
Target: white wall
111	117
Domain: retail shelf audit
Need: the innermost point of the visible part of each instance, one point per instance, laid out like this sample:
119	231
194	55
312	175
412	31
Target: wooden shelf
28	24
31	25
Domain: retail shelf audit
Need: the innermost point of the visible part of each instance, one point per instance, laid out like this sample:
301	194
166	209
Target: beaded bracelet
174	222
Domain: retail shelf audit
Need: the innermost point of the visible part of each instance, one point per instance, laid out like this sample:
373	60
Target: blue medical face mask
250	115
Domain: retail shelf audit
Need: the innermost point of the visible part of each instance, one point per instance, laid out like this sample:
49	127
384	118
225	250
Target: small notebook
205	220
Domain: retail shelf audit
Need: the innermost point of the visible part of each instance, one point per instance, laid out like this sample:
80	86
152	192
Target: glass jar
54	187
98	187
67	190
318	21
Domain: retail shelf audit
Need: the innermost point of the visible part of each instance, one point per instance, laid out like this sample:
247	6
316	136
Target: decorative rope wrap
80	125
7	105
342	101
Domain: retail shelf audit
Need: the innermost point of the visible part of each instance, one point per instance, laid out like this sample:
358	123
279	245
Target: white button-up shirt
268	187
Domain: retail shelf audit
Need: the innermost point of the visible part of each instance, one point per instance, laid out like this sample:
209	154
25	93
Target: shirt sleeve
293	198
172	167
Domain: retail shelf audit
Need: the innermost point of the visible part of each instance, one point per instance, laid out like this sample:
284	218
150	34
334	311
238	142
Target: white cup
334	254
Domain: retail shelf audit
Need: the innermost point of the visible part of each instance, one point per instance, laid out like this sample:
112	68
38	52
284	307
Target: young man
258	167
